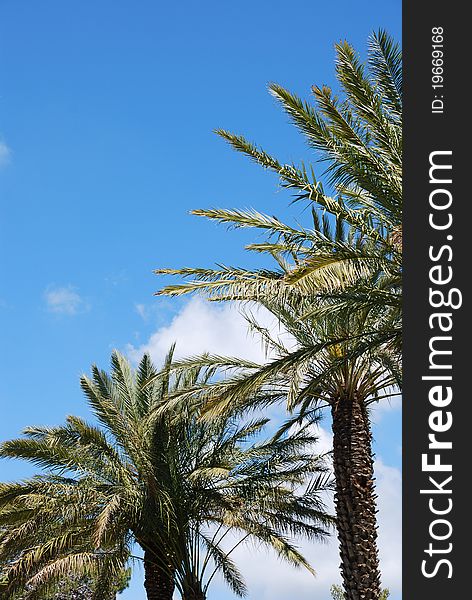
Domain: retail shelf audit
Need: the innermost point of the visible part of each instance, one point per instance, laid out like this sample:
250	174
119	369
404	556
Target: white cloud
389	490
325	439
64	300
205	327
5	154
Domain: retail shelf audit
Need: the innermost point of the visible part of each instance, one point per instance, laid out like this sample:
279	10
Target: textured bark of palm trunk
193	590
355	499
198	595
158	583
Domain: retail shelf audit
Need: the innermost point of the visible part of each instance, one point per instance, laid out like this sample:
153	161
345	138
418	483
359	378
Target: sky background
107	112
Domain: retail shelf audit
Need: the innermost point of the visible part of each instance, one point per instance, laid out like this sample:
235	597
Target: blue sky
106	117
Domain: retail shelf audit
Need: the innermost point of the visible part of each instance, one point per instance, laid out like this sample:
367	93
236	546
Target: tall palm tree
337	284
175	484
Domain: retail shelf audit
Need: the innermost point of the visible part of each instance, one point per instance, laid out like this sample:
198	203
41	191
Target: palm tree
337	284
178	486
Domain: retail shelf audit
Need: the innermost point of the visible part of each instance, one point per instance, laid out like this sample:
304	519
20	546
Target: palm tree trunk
159	583
355	498
198	595
193	590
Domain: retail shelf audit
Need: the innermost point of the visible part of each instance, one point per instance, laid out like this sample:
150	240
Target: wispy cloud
64	300
5	154
141	310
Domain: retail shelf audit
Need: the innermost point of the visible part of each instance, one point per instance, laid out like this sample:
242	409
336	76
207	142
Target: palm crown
350	255
165	479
